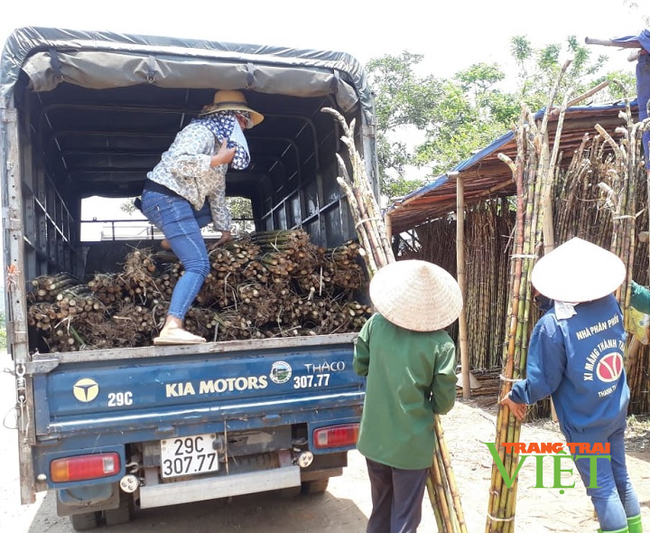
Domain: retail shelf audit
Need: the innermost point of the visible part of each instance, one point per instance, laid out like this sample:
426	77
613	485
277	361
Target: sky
451	35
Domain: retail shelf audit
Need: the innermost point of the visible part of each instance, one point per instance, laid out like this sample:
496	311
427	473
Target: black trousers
396	498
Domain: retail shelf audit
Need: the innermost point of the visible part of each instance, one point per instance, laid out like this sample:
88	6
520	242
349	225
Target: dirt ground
345	506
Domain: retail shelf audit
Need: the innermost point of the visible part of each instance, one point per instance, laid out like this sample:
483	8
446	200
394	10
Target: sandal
178	336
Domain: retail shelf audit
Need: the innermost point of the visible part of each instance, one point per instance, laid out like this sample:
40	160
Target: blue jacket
579	362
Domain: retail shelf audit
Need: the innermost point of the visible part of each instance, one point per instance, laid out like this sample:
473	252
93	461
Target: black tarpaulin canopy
102	60
106	105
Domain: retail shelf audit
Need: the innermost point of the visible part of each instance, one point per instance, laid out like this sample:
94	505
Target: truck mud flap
218	487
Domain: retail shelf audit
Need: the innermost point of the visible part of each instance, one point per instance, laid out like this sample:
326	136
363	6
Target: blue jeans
614	499
181	224
396	498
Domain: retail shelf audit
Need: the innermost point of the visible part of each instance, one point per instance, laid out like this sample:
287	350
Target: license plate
184	456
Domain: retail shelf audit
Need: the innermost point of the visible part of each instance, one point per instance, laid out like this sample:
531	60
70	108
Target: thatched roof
485	175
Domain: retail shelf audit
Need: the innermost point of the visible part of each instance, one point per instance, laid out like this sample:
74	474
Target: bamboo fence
441	483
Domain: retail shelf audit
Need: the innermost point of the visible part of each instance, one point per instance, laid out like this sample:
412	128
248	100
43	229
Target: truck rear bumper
221	487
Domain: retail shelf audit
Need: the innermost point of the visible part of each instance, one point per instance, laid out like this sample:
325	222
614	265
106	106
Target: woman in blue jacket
575	355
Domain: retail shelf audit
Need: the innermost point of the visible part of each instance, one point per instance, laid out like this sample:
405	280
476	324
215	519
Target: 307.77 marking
311	380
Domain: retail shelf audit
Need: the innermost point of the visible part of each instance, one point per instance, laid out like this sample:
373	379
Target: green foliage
128	206
241	211
538	71
452	118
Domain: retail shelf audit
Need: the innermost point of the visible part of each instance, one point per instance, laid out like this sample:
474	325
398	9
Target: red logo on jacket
610	367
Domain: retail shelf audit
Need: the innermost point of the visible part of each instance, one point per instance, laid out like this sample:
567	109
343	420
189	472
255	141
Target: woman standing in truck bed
187	189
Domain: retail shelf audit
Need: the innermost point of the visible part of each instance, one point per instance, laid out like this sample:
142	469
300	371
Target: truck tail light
336	436
82	467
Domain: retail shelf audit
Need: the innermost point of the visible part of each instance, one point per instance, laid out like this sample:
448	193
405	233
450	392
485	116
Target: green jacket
410	376
640	298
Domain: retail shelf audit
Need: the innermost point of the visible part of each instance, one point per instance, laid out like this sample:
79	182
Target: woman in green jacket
409	361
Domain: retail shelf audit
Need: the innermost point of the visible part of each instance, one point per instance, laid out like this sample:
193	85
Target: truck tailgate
134	389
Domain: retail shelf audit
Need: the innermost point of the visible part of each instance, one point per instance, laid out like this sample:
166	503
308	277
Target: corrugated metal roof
484	175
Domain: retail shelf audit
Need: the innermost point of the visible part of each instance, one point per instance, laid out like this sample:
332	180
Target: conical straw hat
578	271
231	101
416	295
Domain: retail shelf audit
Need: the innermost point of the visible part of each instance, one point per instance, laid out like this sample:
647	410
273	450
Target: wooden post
389	227
460	274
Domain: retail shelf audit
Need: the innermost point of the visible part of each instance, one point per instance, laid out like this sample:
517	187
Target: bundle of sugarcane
347	316
229	259
373	237
532	172
78	301
281	239
42	316
346	272
369	223
286	252
46	288
107	288
138	277
625	175
135	321
259	304
487	243
502	499
318	281
255	302
71	300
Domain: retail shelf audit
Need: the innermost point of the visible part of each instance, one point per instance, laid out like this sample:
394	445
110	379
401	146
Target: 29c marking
118	399
311	380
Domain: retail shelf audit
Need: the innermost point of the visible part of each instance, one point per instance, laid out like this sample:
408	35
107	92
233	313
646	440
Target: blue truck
87	114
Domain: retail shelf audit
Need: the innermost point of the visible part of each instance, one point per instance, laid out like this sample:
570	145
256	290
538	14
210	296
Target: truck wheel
121	515
317	486
85	521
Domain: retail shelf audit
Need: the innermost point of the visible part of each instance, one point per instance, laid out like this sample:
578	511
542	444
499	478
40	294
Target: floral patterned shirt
185	169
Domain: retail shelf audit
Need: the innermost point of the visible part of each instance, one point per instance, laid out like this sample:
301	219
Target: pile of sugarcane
488	231
266	284
502	499
532	173
441	483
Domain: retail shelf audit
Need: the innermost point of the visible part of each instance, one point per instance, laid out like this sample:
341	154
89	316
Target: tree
538	70
455	117
403	101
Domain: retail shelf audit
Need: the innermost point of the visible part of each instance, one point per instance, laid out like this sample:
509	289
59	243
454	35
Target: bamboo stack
441	483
